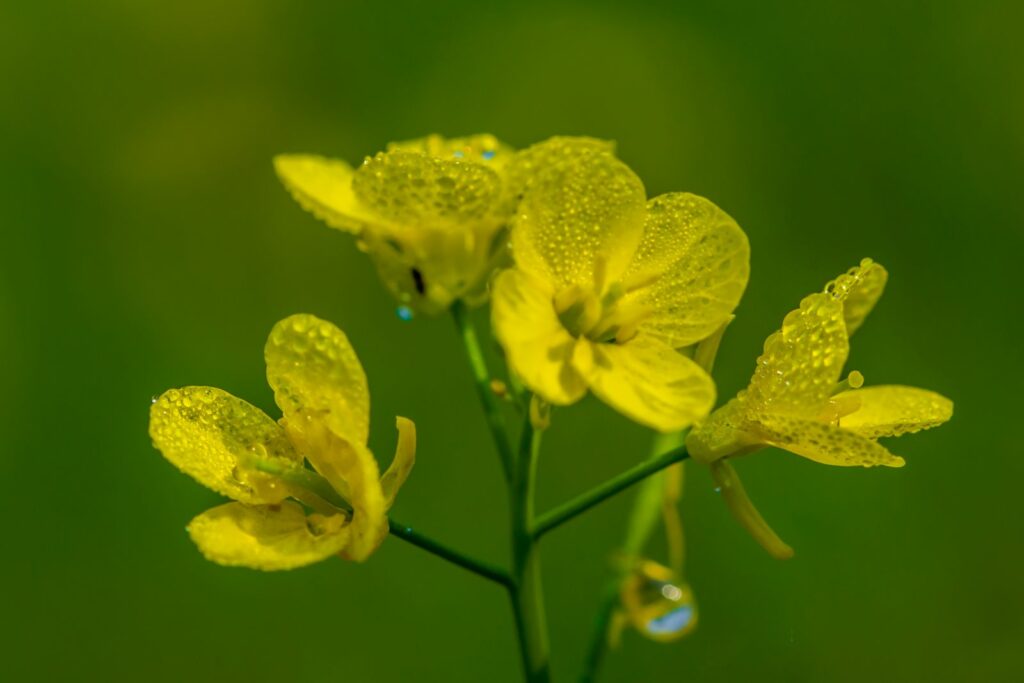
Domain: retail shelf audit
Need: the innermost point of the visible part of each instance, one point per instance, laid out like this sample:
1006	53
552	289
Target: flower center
600	318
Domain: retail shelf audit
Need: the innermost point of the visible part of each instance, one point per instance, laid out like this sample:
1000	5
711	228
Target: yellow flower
235	449
606	285
429	211
795	400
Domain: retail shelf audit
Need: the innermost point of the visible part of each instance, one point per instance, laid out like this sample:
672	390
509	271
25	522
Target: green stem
312	482
599	635
482	380
526	593
563	513
484	569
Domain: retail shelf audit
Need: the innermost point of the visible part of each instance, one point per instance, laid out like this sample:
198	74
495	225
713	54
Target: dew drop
404	313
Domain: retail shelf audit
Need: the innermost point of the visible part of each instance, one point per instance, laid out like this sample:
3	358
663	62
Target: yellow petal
352	471
537	346
482	148
208	433
894	410
405	457
533	162
724	433
649	382
802	362
824	443
580	221
694	262
411	190
267	537
324	188
313	369
859	289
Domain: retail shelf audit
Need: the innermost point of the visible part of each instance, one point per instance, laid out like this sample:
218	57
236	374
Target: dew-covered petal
801	363
691	268
824	443
313	368
580	220
538	348
482	148
723	433
405	457
324	188
353	472
267	537
859	289
411	189
530	164
649	382
894	410
209	434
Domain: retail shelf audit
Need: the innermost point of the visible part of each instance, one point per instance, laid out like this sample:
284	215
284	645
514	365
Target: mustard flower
796	402
235	449
429	212
607	285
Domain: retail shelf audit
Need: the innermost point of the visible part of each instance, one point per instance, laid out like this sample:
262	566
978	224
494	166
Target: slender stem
599	635
527	595
563	513
482	380
484	569
308	481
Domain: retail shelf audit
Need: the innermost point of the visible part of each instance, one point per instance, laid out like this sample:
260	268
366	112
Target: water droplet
488	154
658	603
404	313
459	154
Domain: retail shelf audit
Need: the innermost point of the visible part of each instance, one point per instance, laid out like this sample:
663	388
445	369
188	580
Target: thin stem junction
563	513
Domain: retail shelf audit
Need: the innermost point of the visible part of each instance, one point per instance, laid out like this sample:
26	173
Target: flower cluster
593	288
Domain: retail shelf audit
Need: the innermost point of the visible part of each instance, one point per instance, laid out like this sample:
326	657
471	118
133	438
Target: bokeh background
147	244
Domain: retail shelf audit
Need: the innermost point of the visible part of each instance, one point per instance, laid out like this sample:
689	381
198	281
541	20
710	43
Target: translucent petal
724	433
824	443
580	220
208	433
693	264
894	410
352	470
859	289
313	369
649	382
802	362
405	457
538	348
411	189
532	163
482	148
324	188
267	537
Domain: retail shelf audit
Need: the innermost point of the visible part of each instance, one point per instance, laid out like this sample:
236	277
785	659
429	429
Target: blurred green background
147	244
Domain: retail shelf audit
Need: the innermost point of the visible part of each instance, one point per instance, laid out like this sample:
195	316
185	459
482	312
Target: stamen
854	380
